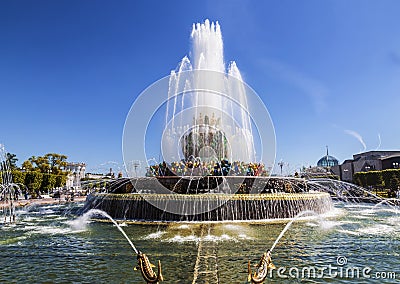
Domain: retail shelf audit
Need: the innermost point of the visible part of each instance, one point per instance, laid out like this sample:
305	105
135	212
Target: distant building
95	176
367	161
76	173
323	168
109	175
327	161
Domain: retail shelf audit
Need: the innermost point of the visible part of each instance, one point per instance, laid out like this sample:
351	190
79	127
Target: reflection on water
46	246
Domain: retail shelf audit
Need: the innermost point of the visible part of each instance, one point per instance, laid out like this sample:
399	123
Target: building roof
390	157
327	160
375	154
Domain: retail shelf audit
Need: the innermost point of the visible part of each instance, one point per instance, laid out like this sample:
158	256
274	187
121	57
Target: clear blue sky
70	70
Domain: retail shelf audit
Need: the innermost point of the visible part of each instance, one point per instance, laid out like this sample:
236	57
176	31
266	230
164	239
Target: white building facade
76	172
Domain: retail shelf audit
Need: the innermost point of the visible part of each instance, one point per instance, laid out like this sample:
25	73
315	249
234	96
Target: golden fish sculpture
146	268
263	267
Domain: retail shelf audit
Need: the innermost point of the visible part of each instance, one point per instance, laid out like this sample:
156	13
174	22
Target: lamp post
135	165
281	164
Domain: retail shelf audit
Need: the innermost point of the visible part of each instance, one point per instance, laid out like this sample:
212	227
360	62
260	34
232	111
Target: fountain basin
222	207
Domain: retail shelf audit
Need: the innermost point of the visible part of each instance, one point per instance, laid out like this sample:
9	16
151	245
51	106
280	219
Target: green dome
327	161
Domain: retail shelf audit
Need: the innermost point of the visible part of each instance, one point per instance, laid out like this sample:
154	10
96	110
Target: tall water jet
207	113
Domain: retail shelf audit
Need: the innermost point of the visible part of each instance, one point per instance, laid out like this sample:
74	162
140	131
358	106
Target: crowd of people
201	168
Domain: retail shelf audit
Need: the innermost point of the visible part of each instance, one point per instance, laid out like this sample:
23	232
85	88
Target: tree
61	180
49	163
12	160
57	162
41	164
18	177
48	182
27	166
33	180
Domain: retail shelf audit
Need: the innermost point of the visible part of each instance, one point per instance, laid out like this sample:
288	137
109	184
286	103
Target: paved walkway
42	201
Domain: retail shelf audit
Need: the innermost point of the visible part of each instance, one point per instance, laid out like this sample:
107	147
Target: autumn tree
57	162
49	163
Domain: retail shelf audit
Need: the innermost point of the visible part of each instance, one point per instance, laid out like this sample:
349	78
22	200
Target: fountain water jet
288	225
392	202
89	214
197	115
265	263
9	191
144	264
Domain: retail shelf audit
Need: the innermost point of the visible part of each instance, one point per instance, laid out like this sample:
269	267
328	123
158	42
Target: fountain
216	130
9	191
200	131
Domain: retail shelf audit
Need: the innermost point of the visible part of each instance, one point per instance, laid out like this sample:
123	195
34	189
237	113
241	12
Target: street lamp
281	164
135	165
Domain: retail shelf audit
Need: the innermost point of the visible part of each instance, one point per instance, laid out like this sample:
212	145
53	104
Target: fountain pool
49	245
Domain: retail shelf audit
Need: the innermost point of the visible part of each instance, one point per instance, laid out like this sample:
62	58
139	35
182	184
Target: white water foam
206	238
155	235
379	229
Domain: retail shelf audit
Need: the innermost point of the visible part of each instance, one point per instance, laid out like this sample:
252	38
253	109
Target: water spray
144	265
265	263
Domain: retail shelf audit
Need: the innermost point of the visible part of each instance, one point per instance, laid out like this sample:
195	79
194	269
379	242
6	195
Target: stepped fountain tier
208	184
135	199
227	207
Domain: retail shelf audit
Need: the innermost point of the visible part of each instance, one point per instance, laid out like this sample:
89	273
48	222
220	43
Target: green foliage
33	180
41	164
56	162
50	163
12	160
377	178
335	177
373	178
388	175
360	179
394	183
40	174
61	180
48	182
37	182
18	177
27	166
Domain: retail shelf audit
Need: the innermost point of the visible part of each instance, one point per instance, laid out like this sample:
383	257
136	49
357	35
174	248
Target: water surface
48	245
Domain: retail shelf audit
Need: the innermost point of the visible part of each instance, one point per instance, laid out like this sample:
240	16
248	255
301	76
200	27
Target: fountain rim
220	222
215	196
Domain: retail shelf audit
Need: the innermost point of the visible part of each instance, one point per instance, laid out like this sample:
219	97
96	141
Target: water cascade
9	191
207	113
